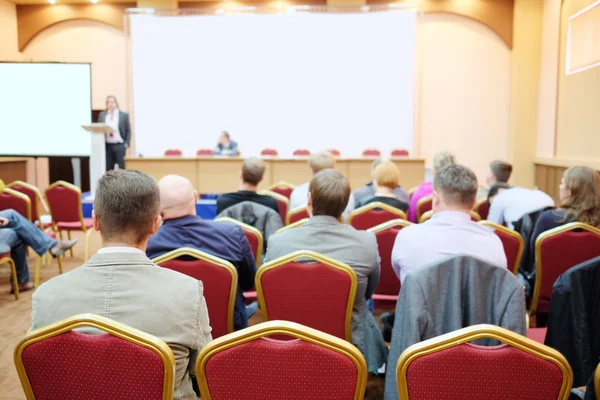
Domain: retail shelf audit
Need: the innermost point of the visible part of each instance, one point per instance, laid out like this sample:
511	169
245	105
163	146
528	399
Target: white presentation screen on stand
300	80
42	108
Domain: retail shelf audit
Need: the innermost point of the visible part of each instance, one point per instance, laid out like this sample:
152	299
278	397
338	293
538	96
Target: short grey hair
443	159
375	163
126	205
253	170
457	185
320	161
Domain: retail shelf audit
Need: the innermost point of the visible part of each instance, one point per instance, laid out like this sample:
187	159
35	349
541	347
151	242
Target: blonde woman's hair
443	159
320	161
386	174
583	204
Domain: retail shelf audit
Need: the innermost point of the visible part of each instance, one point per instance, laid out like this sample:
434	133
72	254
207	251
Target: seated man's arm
398	254
202	333
375	270
247	266
496	213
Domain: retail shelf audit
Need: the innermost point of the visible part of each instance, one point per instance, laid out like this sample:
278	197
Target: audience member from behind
500	172
249	207
368	190
450	230
121	283
183	228
226	146
317	162
328	195
579	202
385	181
510	204
440	160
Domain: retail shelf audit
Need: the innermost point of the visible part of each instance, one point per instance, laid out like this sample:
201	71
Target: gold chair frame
374	205
314	256
277	197
252	230
200	255
390	224
39	198
597	382
13	271
291	226
288	328
474	332
282	184
509	232
106	325
422	200
428	214
479	204
538	255
88	232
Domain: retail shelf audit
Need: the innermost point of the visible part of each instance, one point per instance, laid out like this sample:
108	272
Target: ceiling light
52	1
94	1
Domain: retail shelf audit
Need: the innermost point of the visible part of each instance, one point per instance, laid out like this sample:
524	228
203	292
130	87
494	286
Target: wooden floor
15	320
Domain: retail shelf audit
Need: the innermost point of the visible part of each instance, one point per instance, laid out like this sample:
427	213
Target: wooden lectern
98	154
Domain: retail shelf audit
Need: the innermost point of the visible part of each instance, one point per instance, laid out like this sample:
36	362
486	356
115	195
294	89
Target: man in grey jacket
328	196
121	283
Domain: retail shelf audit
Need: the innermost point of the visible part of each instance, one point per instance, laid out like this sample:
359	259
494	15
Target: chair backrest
204	152
283	188
411	191
252	364
64	202
597	382
427	215
173	153
220	281
34	194
386	233
17	201
483	208
301	153
318	292
269	152
371	152
282	201
518	369
335	152
60	362
556	251
296	215
255	238
399	153
374	214
424	204
294	225
512	242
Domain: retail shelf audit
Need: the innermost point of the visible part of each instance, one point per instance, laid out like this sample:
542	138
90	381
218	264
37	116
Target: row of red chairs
270	152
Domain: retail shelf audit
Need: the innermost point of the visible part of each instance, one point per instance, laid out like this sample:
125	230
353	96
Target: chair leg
14	276
38	267
71	249
60	266
88	233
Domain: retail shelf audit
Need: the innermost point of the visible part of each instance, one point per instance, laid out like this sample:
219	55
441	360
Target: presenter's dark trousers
115	154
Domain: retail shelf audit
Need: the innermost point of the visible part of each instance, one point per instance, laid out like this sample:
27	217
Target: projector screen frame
2	155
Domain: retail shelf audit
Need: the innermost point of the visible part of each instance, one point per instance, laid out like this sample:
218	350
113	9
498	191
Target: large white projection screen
302	80
42	108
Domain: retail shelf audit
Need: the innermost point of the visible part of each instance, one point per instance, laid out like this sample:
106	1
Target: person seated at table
17	232
121	283
500	172
385	181
317	162
183	228
226	146
249	207
328	196
440	160
368	190
508	204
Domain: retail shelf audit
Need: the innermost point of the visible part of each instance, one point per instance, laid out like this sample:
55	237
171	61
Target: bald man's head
177	197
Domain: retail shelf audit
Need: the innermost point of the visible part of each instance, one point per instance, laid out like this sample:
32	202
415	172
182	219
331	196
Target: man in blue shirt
226	146
183	228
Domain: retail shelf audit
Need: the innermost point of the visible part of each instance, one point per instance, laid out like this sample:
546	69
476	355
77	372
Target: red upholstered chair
371	152
204	152
35	196
537	334
513	244
597	382
399	153
220	281
388	288
411	191
269	153
292	226
423	205
318	292
255	238
556	251
60	362
6	259
64	203
173	153
254	364
283	188
374	214
335	152
301	153
296	215
11	199
483	208
282	201
474	216
517	369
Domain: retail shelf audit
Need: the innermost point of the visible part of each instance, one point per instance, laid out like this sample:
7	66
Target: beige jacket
130	289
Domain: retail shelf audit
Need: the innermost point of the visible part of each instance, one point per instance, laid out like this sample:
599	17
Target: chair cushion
75	226
537	334
5	251
50	234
